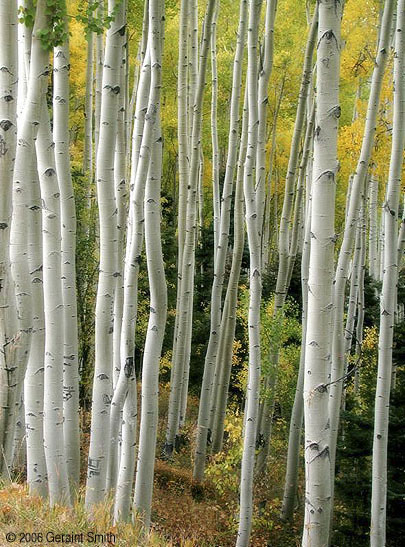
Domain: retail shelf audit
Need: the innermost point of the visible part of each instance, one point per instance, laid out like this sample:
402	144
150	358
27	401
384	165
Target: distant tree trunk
223	365
265	69
297	413
387	302
214	133
264	426
220	252
183	143
318	337
183	343
102	385
373	228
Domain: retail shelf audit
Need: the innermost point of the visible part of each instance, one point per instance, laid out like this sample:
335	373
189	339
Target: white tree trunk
318	338
103	373
345	252
55	455
183	342
68	233
220	252
8	129
387	302
373	229
157	284
255	286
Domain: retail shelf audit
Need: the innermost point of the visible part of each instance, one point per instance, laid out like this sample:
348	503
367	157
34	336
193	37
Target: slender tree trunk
55	454
223	365
157	283
68	233
183	343
318	337
103	373
183	143
387	302
8	130
345	252
373	228
264	426
255	286
34	377
297	414
220	251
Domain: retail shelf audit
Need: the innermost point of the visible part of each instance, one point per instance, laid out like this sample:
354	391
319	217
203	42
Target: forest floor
182	515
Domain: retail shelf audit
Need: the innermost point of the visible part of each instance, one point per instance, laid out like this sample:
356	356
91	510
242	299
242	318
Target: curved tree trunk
102	385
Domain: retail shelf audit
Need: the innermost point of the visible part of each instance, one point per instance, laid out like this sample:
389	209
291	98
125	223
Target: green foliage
93	21
55	32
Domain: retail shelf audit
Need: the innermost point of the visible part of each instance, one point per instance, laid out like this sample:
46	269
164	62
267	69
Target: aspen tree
125	393
183	153
28	124
212	356
297	413
357	187
318	336
264	426
99	62
124	388
68	234
157	282
223	363
387	301
255	286
55	455
214	132
34	376
373	228
8	128
102	384
88	107
265	69
120	187
183	342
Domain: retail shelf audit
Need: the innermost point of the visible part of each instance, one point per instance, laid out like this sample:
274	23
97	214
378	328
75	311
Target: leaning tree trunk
102	385
318	338
387	302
